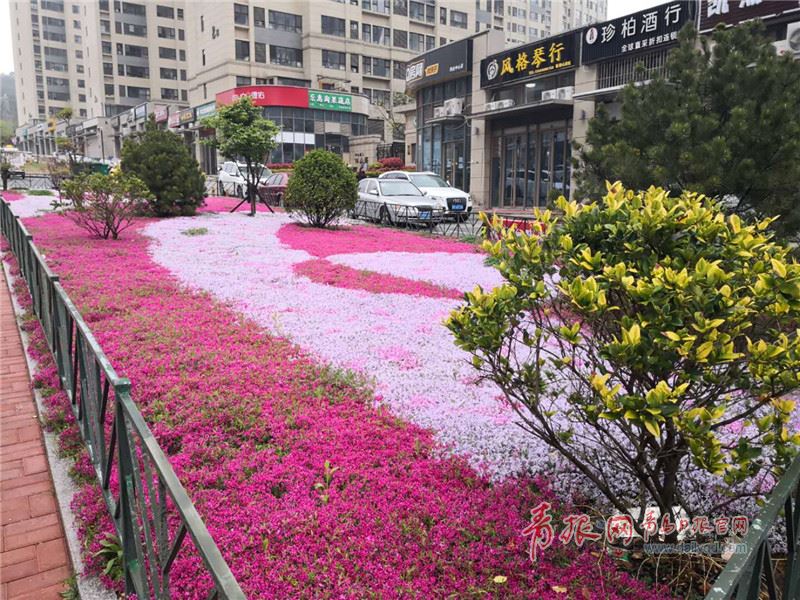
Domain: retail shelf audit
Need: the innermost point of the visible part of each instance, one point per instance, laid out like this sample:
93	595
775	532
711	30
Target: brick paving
34	561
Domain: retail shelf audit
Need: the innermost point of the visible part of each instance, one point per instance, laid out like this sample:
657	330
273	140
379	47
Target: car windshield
399	187
426	180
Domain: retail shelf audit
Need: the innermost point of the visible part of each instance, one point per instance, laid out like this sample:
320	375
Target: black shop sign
544	57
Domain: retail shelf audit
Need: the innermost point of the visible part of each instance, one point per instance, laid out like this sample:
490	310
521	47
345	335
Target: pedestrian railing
30	181
151	510
756	573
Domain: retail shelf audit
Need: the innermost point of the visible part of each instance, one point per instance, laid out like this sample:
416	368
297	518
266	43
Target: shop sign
205	110
330	101
140	112
544	57
186	116
174	119
731	12
639	32
448	62
161	113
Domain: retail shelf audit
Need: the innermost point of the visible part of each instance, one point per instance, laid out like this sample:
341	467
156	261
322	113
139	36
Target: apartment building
97	57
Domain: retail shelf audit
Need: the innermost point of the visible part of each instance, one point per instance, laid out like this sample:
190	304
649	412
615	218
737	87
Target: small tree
321	189
104	205
242	133
725	122
648	340
165	165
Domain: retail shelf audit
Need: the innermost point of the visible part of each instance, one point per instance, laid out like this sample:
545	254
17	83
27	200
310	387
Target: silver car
395	201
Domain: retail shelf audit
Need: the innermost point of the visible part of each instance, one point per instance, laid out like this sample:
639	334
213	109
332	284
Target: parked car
273	189
232	180
458	203
393	201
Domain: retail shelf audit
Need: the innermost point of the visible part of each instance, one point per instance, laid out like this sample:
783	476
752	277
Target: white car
231	180
458	203
393	201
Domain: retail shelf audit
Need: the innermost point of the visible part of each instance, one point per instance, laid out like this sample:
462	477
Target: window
75	24
105	26
166	12
134	71
79	68
430	42
58	96
131	29
180	14
401	7
333	60
399	70
376	34
166	33
290	57
142	93
353	30
109	89
133	9
354	63
421	11
181	35
108	68
378	67
416	42
54	6
76	10
169	94
286	22
443	16
169	73
203	57
183	55
202	23
79	54
106	47
378	6
168	53
332	26
78	39
242	50
260	52
240	14
183	74
400	38
258	17
140	51
240	81
458	19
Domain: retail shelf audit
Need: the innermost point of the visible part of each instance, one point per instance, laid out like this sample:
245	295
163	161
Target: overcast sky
616	8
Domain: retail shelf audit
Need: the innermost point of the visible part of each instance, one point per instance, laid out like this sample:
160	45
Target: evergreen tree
724	122
163	162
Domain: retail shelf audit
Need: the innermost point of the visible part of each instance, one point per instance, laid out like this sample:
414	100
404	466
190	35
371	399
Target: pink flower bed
249	421
227	203
12	196
323	271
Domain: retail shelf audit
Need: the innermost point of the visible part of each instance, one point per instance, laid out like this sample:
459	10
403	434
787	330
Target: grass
195	231
39	193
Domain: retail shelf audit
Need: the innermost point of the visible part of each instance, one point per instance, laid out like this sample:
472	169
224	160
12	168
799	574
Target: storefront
529	114
308	118
441	82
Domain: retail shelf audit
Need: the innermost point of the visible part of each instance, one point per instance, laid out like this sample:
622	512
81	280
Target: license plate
458	207
424	214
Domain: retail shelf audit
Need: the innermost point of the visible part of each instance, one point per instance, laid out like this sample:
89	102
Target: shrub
647	339
391	163
104	205
321	189
165	165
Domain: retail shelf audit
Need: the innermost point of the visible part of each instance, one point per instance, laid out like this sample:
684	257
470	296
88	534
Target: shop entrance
529	163
454	163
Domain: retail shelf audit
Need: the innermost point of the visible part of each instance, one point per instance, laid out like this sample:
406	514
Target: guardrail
752	574
151	510
30	181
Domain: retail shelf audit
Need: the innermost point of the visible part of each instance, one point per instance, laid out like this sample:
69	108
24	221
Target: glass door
514	168
454	163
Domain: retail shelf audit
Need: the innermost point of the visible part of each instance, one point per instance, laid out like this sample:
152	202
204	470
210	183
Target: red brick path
33	553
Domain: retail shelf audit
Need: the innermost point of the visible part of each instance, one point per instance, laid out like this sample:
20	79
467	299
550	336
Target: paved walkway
33	553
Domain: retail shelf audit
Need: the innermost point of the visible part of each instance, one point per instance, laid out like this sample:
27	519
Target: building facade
518	111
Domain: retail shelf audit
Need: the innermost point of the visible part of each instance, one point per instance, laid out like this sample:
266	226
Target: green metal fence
150	508
752	575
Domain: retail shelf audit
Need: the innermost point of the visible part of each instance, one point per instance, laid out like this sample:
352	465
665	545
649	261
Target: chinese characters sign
638	32
330	101
731	12
448	62
540	58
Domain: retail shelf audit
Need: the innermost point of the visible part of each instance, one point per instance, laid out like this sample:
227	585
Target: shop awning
532	107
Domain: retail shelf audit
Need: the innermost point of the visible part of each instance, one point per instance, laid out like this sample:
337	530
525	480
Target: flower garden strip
308	489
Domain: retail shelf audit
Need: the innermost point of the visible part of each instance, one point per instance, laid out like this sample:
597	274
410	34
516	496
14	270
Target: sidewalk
33	553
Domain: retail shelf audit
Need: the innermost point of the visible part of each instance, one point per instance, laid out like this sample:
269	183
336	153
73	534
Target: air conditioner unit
549	95
499	104
439	112
454	107
792	42
565	93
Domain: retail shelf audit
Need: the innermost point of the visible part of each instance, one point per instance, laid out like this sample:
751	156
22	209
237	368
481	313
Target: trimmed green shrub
163	162
321	189
649	336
